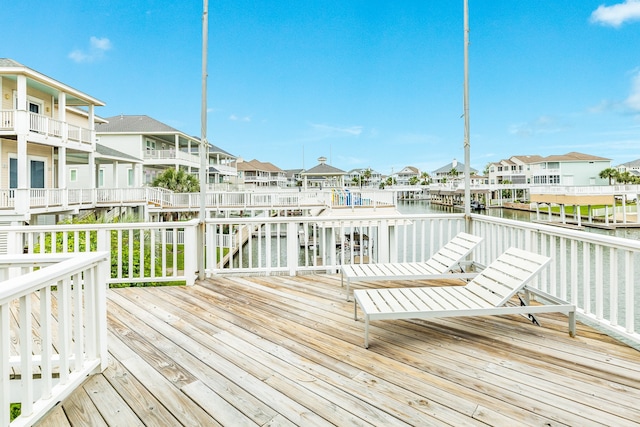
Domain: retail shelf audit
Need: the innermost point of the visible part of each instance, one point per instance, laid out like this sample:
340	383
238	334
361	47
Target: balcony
267	336
171	157
45	130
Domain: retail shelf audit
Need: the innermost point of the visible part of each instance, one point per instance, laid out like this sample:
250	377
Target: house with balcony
514	170
44	126
222	172
407	175
354	176
259	174
571	169
159	145
451	172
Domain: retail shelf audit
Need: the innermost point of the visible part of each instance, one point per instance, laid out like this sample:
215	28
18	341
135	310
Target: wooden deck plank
286	351
82	411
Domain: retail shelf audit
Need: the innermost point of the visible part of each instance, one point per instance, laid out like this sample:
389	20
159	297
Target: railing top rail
585	236
28	283
110	226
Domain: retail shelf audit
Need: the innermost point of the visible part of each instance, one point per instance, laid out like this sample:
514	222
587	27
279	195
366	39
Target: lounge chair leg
366	331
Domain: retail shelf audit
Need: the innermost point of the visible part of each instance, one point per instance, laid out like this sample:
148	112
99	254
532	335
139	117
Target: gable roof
632	164
135	124
324	169
459	167
256	165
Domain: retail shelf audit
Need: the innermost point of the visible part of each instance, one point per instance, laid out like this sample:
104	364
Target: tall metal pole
467	145
204	144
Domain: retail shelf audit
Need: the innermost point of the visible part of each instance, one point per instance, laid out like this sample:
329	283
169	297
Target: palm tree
178	181
454	173
366	175
609	173
424	176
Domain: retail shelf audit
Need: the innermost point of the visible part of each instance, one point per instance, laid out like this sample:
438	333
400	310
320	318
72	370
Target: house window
130	177
101	178
36	173
151	145
73	175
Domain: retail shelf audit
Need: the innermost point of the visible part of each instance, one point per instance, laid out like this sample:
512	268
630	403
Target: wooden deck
273	351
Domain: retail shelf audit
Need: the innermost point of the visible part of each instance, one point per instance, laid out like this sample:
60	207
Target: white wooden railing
140	252
597	273
44	125
53	329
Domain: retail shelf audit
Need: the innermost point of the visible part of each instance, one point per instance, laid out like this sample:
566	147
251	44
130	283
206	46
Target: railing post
292	248
190	262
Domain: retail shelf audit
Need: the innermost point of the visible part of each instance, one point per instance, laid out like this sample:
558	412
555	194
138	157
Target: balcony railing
172	155
47	126
53	327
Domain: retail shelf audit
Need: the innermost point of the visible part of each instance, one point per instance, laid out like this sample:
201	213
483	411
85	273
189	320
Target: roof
572	157
215	149
459	167
323	169
135	124
9	67
632	164
256	165
409	169
528	158
107	152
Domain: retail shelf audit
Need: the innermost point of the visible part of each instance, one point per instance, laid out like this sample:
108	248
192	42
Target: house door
37	174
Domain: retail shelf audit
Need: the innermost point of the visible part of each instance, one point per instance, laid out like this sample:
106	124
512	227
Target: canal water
424	207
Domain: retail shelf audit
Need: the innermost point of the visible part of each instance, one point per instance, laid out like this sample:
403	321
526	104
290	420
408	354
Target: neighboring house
260	174
294	177
452	172
160	147
569	169
323	175
514	170
404	176
221	167
105	174
632	167
44	126
566	169
352	178
478	180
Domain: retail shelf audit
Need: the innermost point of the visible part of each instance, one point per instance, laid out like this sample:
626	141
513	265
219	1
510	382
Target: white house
160	147
45	125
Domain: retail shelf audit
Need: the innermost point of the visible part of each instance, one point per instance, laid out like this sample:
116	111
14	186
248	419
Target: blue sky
364	83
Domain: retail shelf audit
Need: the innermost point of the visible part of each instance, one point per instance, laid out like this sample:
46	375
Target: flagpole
204	144
467	145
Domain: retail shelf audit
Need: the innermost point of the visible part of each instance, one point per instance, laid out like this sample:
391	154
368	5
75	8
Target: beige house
43	124
260	174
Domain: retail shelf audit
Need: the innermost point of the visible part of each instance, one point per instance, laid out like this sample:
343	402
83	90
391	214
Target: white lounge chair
439	266
489	293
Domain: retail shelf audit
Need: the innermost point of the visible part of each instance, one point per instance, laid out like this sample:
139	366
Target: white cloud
617	14
235	118
97	48
328	131
542	125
